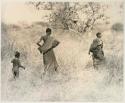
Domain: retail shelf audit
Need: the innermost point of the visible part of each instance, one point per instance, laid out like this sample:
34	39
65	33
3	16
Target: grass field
77	80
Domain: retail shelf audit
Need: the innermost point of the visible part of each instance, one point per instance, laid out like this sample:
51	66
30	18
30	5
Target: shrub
117	27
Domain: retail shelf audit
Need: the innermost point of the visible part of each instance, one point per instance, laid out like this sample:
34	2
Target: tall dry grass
76	79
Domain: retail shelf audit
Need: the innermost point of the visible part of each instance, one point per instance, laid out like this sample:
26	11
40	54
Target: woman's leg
95	65
45	71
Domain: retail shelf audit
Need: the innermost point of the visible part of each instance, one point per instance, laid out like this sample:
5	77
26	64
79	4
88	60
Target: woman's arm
55	43
38	43
12	60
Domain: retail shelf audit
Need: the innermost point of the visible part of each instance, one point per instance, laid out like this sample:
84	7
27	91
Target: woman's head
48	31
17	54
99	35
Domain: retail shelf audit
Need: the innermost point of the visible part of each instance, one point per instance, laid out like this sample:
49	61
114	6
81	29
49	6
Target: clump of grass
114	66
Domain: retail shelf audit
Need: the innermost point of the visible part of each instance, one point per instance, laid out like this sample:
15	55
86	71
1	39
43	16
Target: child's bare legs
56	69
15	74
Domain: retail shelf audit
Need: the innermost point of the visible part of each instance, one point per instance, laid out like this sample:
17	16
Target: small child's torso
16	64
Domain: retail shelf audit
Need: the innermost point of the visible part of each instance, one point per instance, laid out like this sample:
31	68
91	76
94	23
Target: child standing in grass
16	65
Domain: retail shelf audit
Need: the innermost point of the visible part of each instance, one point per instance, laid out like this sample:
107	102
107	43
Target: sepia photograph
55	51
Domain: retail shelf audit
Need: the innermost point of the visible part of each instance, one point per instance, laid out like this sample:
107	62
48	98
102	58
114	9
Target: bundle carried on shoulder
49	44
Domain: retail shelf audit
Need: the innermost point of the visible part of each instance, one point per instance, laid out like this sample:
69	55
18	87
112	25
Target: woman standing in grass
49	59
96	49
